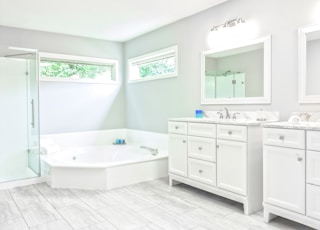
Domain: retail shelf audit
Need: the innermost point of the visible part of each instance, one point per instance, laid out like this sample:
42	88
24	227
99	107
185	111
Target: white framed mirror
309	68
237	74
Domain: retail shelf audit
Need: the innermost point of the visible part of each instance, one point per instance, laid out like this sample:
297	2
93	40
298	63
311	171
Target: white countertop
290	125
220	121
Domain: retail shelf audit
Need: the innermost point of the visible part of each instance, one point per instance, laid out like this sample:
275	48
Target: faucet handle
220	114
227	113
234	116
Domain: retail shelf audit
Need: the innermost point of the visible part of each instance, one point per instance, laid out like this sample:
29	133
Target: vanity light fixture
226	32
230	23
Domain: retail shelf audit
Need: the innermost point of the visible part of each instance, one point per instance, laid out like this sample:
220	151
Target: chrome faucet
227	113
220	114
153	151
305	116
234	116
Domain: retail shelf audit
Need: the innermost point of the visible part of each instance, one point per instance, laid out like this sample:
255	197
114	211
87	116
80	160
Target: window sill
79	81
152	78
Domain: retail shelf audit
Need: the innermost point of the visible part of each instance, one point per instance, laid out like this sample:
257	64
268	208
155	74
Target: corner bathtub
104	167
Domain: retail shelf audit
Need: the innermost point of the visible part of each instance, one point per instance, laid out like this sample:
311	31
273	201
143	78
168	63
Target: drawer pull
200	148
299	159
184	141
176	127
281	138
230	132
200	171
217	146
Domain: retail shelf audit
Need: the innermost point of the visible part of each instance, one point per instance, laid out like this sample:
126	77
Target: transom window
67	68
156	65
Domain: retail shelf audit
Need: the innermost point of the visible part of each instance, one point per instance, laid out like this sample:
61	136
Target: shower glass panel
19	126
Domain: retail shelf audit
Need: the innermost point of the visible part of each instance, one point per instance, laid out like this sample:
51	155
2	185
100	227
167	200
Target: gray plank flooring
152	205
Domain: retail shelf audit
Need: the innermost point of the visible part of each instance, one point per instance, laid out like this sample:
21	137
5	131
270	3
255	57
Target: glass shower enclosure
19	114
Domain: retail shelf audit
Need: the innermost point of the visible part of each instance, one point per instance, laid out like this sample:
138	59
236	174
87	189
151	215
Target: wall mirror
237	74
309	68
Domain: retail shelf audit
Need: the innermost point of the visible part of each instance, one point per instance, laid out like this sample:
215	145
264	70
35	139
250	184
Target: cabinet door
178	154
313	167
313	201
232	166
284	178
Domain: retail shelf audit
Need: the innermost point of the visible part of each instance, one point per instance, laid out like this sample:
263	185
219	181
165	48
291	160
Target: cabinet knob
217	146
300	159
184	141
281	138
229	132
176	127
200	148
200	171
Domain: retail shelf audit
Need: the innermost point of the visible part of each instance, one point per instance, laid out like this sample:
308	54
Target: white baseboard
20	183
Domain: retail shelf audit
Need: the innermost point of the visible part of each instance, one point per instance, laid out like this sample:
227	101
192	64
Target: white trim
151	78
302	65
83	60
72	80
149	57
266	98
20	183
22	49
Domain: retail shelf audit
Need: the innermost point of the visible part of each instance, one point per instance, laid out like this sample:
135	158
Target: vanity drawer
232	132
202	171
313	201
202	148
313	140
177	127
284	138
313	167
202	130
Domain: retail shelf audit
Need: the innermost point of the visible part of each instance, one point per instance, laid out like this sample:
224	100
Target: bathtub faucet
152	150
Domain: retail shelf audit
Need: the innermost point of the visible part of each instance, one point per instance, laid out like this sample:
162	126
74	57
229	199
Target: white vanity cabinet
219	158
284	178
291	174
232	155
313	174
178	145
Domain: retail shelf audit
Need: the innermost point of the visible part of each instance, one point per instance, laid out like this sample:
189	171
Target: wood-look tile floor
150	205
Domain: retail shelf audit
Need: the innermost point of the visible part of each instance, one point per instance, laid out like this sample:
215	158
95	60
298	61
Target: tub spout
153	151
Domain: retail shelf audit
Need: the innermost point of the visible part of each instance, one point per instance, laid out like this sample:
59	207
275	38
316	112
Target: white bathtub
102	156
104	166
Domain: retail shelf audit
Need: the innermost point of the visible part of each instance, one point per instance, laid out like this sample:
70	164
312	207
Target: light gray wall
150	104
69	107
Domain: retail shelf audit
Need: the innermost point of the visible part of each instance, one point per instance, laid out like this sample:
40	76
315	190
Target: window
157	65
67	68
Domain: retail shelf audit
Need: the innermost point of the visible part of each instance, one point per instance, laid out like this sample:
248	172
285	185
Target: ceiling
114	20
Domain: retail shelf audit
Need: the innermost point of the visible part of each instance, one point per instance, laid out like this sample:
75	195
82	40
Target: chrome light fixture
230	31
228	24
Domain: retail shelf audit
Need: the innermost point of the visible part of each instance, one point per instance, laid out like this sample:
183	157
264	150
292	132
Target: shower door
19	126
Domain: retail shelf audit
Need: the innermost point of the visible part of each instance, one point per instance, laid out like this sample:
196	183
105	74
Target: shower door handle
32	113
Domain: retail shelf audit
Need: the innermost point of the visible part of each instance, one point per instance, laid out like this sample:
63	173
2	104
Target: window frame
83	60
149	57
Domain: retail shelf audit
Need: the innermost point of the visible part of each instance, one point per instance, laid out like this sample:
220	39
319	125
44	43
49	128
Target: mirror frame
302	65
266	98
